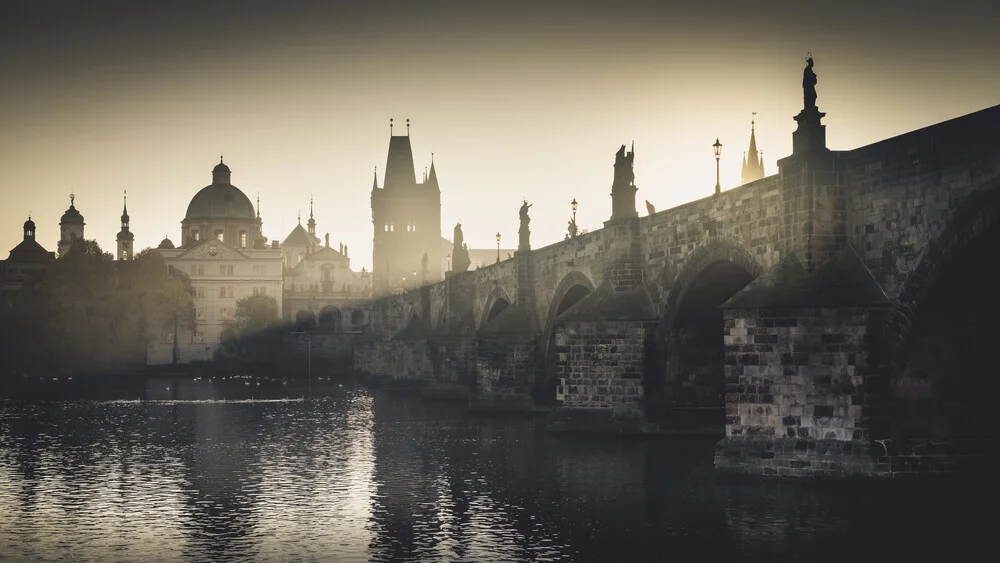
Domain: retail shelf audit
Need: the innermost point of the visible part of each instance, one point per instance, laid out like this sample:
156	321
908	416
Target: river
357	475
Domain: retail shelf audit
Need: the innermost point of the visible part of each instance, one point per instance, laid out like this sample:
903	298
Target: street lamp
717	147
498	247
573	230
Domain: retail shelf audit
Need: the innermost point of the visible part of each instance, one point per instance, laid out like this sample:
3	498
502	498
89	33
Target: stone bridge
817	319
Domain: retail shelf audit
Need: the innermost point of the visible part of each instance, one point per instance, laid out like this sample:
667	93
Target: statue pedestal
810	136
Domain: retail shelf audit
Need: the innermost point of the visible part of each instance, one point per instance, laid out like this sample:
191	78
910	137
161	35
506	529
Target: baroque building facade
26	263
320	289
226	258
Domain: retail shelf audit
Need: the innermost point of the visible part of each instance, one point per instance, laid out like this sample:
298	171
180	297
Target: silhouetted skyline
514	100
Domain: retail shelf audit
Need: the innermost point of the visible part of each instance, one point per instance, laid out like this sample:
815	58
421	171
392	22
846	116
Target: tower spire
125	237
312	222
753	164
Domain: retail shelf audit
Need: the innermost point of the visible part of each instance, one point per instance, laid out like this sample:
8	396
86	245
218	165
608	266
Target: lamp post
717	147
498	247
573	204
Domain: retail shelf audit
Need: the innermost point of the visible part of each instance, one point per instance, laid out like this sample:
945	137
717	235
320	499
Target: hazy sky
515	99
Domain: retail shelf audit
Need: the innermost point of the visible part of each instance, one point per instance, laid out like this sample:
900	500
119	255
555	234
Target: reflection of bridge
791	313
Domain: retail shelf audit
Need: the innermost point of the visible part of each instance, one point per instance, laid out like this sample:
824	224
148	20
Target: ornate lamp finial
72	197
390	126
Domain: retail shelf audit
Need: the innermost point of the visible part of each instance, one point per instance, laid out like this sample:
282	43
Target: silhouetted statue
460	261
809	85
524	233
649	208
624	174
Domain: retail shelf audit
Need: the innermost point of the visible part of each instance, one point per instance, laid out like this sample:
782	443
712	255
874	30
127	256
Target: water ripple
353	476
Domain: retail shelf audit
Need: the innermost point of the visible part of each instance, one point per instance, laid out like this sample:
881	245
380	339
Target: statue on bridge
460	260
624	173
809	85
523	232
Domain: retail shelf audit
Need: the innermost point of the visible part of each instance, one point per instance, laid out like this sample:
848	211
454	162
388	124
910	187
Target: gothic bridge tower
407	246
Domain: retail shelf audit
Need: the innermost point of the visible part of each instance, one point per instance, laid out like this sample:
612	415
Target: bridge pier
803	389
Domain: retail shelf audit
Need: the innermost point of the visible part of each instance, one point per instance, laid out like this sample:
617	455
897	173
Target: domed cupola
72	216
29	229
220	210
221	173
166	244
70	227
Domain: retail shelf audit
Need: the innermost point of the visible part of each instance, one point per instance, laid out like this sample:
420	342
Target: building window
226	313
197	270
243	239
199	313
225	269
195	235
219	236
167	338
225	291
387	227
260	269
199	291
198	338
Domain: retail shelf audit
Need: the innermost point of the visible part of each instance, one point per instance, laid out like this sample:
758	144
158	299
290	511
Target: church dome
29	225
71	215
220	199
166	243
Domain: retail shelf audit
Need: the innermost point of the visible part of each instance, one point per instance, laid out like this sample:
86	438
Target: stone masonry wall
394	360
797	393
602	363
748	216
905	190
453	358
507	369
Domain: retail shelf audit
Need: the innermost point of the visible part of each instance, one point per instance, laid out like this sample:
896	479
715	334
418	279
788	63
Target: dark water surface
359	476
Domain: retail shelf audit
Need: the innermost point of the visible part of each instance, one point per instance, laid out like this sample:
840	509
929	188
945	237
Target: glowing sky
520	99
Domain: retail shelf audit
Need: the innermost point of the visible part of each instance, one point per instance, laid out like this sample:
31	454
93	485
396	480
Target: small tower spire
407	126
312	222
125	237
125	211
753	164
258	205
375	180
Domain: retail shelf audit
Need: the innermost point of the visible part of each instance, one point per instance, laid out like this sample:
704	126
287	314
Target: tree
255	313
254	336
91	314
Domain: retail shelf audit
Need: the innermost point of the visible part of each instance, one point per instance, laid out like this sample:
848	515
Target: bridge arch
941	332
686	381
712	252
497	301
573	287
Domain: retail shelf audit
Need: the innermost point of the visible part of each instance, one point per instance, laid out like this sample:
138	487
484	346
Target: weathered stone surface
845	246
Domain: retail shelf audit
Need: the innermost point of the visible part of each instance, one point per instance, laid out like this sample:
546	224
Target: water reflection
357	477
